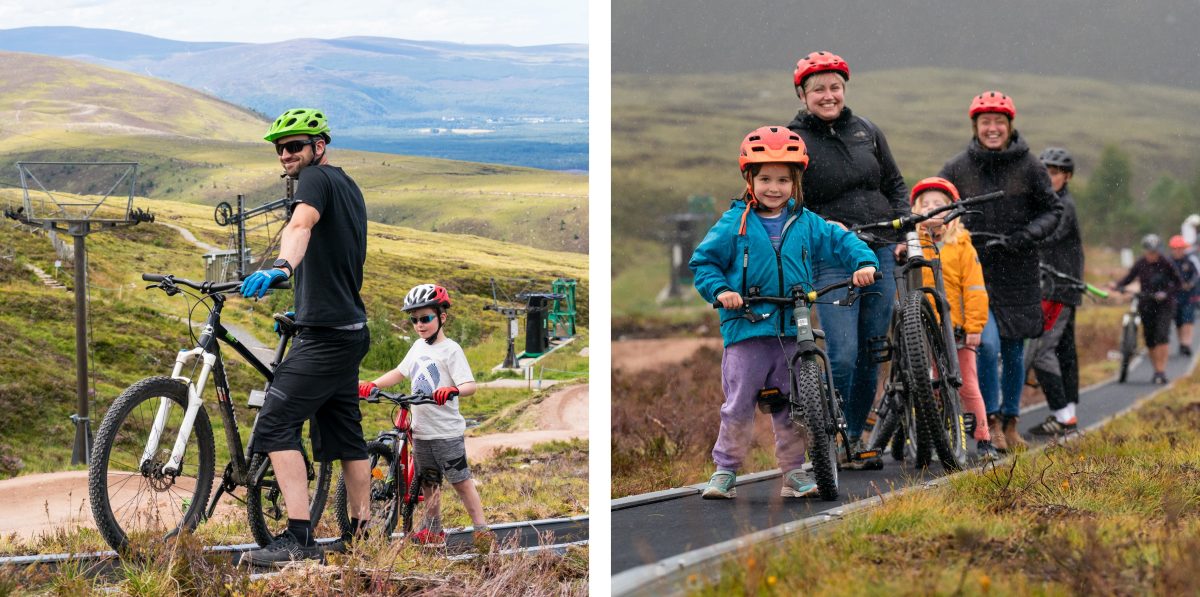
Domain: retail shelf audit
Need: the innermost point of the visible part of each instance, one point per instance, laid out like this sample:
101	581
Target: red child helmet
993	101
1177	242
933	183
819	62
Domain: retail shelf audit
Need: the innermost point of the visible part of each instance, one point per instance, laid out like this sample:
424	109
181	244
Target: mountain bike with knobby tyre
152	464
813	405
395	484
920	414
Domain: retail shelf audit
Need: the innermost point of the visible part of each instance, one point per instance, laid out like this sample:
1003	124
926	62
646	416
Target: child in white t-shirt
438	368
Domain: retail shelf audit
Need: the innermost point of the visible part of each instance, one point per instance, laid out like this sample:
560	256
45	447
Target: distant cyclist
1160	282
998	159
1185	301
766	240
852	179
1054	360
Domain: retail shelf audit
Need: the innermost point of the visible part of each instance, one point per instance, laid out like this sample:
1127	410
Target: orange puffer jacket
963	278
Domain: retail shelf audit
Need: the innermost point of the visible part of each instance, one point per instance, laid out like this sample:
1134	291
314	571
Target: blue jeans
1001	366
847	329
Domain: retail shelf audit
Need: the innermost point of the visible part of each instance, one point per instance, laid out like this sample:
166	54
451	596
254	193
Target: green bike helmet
299	121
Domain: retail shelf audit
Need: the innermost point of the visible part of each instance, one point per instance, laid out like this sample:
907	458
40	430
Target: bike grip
717	305
1096	291
153	277
878	275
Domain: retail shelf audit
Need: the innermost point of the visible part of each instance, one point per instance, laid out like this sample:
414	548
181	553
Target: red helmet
769	144
819	62
933	183
426	295
1177	242
993	101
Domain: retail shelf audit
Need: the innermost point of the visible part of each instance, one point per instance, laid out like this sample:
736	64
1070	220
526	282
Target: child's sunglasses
293	147
422	319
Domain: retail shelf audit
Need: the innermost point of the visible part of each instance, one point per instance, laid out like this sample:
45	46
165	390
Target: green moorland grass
136	332
677	135
193	147
548	481
1114	513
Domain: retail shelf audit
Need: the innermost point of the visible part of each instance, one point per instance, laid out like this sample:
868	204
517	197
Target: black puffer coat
1027	214
1063	251
851	176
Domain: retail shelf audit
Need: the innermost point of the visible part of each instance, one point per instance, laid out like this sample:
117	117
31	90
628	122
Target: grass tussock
1114	513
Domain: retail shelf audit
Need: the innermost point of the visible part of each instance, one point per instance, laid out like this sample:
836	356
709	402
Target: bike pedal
867	454
880	349
771	401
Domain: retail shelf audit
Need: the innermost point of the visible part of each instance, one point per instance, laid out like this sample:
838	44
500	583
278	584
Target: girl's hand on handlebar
730	299
864	276
973	340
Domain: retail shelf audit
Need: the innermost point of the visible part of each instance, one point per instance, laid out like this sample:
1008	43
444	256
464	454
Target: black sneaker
985	451
1159	379
1185	350
285	548
1051	426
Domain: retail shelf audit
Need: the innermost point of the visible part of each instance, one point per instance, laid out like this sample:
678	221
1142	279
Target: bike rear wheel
388	486
809	396
265	506
131	496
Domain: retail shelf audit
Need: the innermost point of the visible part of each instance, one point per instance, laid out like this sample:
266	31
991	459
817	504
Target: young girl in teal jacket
766	240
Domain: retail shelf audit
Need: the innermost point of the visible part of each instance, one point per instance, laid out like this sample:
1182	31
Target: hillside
193	147
1123	41
439	99
136	332
676	135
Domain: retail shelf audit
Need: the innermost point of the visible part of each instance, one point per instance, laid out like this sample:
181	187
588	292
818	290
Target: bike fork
189	417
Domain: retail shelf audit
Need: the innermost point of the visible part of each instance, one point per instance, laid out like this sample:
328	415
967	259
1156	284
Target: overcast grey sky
515	22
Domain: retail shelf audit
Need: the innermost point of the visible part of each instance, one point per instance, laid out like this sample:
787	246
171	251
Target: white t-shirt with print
436	366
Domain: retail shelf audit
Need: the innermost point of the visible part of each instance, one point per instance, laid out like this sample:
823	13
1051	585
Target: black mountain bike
812	402
395	486
152	463
921	412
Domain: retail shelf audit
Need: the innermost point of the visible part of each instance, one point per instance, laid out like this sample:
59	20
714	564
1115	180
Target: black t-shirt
330	275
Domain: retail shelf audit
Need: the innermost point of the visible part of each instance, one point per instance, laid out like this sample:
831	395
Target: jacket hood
1017	149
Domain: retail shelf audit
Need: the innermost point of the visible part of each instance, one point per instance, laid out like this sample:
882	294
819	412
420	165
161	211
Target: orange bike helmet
933	183
1177	242
819	62
772	144
993	101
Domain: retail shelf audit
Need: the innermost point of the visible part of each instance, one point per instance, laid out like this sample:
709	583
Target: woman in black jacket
998	159
851	179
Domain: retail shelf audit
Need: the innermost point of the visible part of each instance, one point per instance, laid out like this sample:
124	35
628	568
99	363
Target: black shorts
1156	323
318	378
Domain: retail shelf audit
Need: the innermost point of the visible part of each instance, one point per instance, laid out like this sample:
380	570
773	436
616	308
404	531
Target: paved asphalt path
647	533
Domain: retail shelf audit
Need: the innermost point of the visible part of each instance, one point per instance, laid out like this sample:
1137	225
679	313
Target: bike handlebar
206	287
1076	282
914	218
797	294
402	400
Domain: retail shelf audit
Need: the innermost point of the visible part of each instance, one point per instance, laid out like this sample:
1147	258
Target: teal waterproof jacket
717	264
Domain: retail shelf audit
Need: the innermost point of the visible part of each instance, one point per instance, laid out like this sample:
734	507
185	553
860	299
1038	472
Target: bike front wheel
822	444
132	497
917	348
389	483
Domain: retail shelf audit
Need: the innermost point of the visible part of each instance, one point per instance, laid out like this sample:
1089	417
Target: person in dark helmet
997	158
852	179
319	376
1054	360
1159	282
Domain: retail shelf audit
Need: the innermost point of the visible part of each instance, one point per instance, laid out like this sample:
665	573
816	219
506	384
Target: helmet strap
751	203
430	340
316	159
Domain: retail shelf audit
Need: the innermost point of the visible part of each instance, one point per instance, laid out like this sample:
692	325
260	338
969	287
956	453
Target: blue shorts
1185	312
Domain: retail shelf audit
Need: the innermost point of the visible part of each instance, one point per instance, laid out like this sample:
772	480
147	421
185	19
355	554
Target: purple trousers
747	367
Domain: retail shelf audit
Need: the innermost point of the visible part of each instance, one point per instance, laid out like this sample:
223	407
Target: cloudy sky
516	22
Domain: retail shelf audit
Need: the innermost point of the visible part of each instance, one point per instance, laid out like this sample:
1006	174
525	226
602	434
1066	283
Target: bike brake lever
852	295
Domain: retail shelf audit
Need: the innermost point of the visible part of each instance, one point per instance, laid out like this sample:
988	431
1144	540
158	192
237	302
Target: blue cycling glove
255	285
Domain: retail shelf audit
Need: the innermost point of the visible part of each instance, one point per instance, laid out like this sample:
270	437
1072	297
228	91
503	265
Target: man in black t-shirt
323	247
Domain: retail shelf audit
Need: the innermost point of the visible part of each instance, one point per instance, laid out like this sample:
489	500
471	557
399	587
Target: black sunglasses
423	319
292	147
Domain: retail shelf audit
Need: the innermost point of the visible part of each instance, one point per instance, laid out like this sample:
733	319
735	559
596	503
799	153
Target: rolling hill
485	103
194	147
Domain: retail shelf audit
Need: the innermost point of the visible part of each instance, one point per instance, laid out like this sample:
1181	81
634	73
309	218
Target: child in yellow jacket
962	276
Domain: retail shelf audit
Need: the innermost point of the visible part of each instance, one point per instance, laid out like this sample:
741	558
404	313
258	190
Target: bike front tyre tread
820	443
151	388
